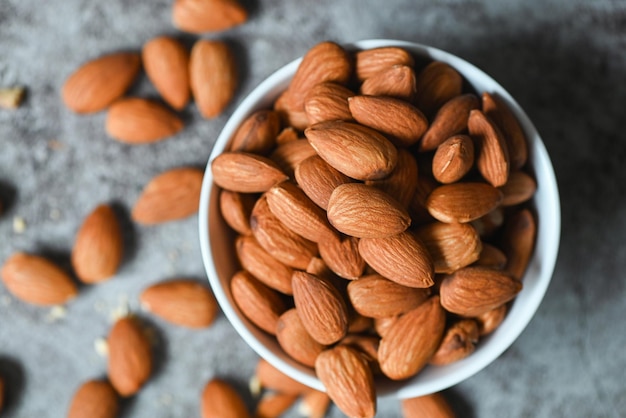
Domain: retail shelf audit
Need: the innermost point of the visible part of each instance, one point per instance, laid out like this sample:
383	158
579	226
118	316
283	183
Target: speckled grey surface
564	61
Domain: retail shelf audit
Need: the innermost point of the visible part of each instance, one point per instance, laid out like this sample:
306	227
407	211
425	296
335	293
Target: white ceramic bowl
216	239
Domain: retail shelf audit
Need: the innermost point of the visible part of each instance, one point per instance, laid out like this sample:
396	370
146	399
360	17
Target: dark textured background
565	63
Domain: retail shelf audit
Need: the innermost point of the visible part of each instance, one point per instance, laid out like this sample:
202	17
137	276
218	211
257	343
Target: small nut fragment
11	98
459	341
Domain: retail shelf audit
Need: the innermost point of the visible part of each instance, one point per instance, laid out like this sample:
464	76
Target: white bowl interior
219	258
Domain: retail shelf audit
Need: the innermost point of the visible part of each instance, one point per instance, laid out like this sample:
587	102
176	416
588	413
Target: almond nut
290	154
452	246
397	81
166	62
450	120
94	398
499	112
140	121
432	406
492	154
402	183
198	16
462	202
295	340
262	265
519	188
318	179
257	134
270	378
373	61
236	209
246	173
341	255
328	101
436	84
220	400
453	159
519	241
459	341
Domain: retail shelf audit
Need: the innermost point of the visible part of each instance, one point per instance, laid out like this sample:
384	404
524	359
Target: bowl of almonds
379	219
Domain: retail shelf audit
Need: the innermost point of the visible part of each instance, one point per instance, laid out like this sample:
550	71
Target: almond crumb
101	346
19	225
10	98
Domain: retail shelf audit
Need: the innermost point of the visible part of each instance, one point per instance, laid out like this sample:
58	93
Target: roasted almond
98	247
245	172
451	246
273	404
436	84
364	211
462	202
166	62
490	320
172	195
182	302
519	241
257	134
262	265
459	341
341	255
431	406
213	75
35	280
318	179
519	188
95	399
491	256
270	378
236	209
220	400
99	82
290	154
372	61
453	159
355	150
295	340
198	16
450	120
402	183
499	112
492	154
397	81
328	101
134	121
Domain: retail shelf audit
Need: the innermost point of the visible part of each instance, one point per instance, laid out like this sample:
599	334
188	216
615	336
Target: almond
257	134
288	134
262	265
367	345
397	81
453	159
220	400
382	325
402	183
519	188
321	308
328	101
279	241
491	256
236	209
359	323
490	320
411	341
341	255
166	62
398	120
98	247
246	173
130	357
519	241
452	246
260	304
492	155
140	121
273	405
472	291
318	179
35	280
462	202
213	75
499	112
432	406
172	195
450	120
489	224
95	399
270	378
295	210
198	16
288	155
366	212
291	115
401	258
295	340
318	267
314	404
373	61
182	302
376	297
348	380
355	150
99	82
459	341
436	84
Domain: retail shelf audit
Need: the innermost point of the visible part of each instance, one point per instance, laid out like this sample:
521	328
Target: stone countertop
565	63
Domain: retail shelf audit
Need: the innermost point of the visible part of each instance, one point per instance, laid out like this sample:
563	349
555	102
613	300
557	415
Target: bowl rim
541	265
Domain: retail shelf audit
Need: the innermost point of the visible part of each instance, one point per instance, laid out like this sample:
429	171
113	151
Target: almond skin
98	247
172	195
181	302
198	16
452	246
436	84
318	179
94	398
459	341
220	400
402	183
213	76
295	340
462	202
99	82
290	154
273	405
245	172
130	357
273	379
328	101
140	121
492	154
35	280
519	188
453	159
341	255
291	115
397	81
262	265
499	112
450	120
373	61
355	150
166	62
432	406
519	241
257	134
236	209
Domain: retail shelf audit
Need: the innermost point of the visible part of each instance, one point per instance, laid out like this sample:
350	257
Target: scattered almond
94	399
198	16
427	406
220	400
166	62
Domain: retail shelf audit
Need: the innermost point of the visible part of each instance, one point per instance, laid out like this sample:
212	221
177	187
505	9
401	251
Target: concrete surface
564	61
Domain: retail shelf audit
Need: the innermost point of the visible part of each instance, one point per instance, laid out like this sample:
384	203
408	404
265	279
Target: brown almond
490	320
328	101
98	247
492	154
182	302
462	202
288	155
295	340
99	82
213	76
257	134
401	258
318	179
450	120
259	303
364	211
376	297
498	111
321	308
348	380
367	345
397	81
198	16
359	323
382	325
273	405
314	404
341	255
95	399
453	159
402	183
130	357
432	406
236	209
245	173
270	378
489	224
436	84
172	195
134	121
35	280
355	150
411	341
459	341
472	291
166	62
451	246
291	115
519	241
262	265
220	400
373	61
519	188
397	119
288	134
318	267
491	256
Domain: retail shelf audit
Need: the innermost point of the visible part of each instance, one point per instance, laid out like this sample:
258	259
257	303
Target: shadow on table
13	375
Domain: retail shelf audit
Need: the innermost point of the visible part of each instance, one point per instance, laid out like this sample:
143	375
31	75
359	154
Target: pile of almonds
381	215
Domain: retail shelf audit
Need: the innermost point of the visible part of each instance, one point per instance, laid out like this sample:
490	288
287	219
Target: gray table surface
564	61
